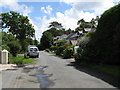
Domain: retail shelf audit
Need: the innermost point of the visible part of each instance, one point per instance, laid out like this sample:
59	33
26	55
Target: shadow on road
115	81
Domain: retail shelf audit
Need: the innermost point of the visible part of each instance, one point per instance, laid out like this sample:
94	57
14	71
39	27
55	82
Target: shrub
89	33
68	52
47	50
60	43
15	47
10	56
53	48
59	50
20	60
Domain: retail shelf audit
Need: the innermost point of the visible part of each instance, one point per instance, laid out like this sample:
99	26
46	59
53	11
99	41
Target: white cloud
14	6
47	9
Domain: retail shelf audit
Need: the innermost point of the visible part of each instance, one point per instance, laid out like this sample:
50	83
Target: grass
110	69
21	60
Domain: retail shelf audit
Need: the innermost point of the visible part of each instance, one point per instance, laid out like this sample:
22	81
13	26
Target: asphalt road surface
51	72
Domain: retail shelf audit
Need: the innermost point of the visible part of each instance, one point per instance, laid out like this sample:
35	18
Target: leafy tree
54	32
30	41
15	47
7	37
36	42
81	23
46	40
56	25
18	25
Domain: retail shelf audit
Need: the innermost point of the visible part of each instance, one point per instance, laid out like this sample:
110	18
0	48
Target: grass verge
110	69
21	60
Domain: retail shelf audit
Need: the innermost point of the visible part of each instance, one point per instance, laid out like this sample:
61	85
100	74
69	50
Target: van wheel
26	56
38	56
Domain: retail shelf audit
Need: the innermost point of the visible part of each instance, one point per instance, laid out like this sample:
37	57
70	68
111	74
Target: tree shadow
115	81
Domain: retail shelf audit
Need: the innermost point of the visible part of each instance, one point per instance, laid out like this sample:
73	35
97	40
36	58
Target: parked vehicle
32	52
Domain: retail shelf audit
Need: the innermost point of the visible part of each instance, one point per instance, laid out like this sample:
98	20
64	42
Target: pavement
7	66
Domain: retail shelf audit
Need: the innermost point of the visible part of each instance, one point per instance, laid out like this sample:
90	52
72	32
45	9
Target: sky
66	12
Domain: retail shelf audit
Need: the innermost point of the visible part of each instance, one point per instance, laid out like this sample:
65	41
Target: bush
20	60
59	50
47	50
10	56
68	52
15	47
53	48
60	43
89	34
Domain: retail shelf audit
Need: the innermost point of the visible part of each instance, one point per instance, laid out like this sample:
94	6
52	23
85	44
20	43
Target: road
51	72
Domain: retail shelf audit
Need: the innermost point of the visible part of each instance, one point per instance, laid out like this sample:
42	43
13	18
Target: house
62	37
74	37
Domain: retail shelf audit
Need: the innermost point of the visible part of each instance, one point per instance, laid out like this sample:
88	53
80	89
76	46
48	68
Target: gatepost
4	57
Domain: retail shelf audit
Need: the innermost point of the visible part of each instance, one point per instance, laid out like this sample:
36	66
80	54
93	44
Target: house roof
72	35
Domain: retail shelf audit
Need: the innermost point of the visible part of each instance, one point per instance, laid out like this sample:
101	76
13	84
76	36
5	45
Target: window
35	49
31	49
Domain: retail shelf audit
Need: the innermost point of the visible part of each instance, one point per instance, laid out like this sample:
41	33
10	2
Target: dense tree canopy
46	40
17	24
56	25
55	29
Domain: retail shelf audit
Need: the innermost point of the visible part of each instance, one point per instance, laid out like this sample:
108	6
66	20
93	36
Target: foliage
54	32
5	47
6	37
89	34
103	46
68	52
55	29
114	70
10	43
20	60
30	41
18	25
53	48
55	25
47	50
60	50
60	43
46	40
15	47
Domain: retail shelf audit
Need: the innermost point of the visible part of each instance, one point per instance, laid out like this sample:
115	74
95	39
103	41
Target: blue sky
67	12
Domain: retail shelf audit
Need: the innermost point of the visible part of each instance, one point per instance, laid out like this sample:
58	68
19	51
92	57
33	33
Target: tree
81	22
46	40
18	25
56	25
7	37
15	47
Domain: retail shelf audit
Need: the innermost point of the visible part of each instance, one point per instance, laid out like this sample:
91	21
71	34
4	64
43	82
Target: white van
32	51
